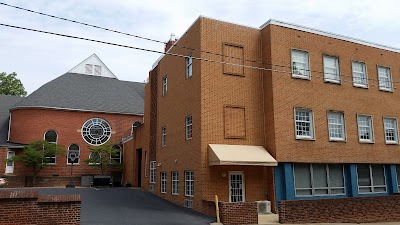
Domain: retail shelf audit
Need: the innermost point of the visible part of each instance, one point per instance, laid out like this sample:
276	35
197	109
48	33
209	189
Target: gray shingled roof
6	102
88	93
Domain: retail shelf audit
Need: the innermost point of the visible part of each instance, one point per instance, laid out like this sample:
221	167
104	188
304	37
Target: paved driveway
120	206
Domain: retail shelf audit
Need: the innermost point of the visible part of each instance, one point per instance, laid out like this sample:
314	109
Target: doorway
9	164
236	187
139	167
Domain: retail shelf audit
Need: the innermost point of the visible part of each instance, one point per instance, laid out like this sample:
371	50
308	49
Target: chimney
171	42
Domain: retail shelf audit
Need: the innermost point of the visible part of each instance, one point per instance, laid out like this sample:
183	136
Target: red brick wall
29	125
341	210
26	181
238	213
27	207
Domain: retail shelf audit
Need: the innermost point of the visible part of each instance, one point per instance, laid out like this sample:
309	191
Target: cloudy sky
38	58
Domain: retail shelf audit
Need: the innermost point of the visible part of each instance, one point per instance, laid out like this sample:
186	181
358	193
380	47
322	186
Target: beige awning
250	155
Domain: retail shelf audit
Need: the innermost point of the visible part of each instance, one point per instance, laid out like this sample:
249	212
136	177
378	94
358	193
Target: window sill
235	74
302	77
386	90
192	196
305	138
75	164
338	82
338	140
175	194
163	192
392	143
360	86
366	142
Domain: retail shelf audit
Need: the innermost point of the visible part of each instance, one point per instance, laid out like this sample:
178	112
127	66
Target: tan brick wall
238	213
341	210
320	97
29	125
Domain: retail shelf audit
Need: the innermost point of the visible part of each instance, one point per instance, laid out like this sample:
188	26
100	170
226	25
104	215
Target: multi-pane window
189	183
189	124
304	123
175	183
115	156
163	182
51	136
300	64
165	85
385	79
365	128
95	158
189	69
336	126
371	178
391	135
318	179
153	172
359	74
164	136
331	69
73	150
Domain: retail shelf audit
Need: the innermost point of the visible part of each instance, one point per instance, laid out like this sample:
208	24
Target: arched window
115	156
51	136
74	148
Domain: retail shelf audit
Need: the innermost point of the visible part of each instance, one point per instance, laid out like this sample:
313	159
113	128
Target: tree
102	157
11	85
37	156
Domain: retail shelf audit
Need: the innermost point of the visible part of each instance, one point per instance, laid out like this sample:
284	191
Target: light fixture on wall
223	174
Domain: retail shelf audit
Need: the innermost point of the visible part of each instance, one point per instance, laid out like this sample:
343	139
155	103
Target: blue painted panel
289	181
279	179
353	180
392	178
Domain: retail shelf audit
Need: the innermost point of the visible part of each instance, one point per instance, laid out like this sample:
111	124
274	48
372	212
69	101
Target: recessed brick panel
235	122
233	54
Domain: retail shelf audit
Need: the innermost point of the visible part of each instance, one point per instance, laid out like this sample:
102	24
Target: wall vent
188	203
151	188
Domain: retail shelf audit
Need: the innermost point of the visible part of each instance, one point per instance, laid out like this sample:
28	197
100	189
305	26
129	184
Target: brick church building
87	106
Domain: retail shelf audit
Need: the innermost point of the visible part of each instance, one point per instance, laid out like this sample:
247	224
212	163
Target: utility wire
175	45
164	53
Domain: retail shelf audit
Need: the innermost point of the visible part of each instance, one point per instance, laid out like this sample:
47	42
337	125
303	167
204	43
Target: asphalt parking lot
125	206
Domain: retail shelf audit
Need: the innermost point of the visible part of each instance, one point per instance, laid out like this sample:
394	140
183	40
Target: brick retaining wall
56	181
28	207
341	210
238	213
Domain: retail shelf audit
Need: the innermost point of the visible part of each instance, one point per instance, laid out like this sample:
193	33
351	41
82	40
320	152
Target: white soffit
244	155
93	60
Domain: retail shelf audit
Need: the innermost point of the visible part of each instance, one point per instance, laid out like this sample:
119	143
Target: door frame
9	151
243	184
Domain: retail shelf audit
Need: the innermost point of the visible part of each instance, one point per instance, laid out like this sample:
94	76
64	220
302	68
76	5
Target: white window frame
189	127
153	167
307	71
343	126
164	85
381	79
117	159
243	185
163	136
311	122
371	130
189	66
313	188
189	183
79	153
163	183
362	85
94	163
372	182
395	130
175	183
337	79
55	156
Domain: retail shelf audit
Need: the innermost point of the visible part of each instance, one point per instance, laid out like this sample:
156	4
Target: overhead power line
164	53
179	46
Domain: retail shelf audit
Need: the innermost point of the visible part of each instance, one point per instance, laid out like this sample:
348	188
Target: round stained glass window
96	131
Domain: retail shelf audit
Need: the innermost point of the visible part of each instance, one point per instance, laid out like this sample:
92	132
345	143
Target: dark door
139	166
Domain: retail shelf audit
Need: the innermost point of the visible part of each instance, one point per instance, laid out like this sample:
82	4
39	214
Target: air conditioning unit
263	207
188	203
151	188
